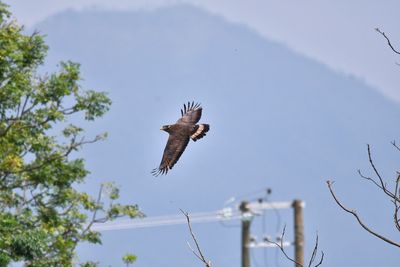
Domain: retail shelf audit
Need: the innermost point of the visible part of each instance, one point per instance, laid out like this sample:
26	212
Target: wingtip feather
190	106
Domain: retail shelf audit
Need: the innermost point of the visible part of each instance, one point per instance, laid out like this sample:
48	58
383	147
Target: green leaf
129	258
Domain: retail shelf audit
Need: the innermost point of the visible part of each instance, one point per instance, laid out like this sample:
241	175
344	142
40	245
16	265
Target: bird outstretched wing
190	113
173	150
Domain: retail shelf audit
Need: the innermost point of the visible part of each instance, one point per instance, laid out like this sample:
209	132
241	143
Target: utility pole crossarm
269	205
256	207
267	244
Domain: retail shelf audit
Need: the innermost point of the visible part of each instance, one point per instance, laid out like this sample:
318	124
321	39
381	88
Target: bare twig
313	255
371	162
369	179
381	182
388	40
396	204
354	213
394	196
280	246
198	254
395	145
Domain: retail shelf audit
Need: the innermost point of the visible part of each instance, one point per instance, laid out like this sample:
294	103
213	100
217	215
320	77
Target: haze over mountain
277	119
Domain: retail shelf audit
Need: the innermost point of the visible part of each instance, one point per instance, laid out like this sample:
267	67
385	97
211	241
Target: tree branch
198	254
396	204
95	211
370	179
381	182
395	145
329	183
73	145
388	40
313	255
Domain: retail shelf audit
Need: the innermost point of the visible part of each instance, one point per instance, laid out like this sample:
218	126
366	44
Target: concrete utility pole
298	232
246	222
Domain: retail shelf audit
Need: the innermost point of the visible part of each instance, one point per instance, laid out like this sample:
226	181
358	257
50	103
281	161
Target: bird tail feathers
199	131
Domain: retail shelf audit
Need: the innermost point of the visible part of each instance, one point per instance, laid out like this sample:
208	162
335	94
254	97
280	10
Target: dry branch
388	40
198	254
313	255
354	213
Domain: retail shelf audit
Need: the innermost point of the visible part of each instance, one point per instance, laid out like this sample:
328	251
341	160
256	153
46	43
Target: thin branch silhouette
313	255
360	222
199	253
388	40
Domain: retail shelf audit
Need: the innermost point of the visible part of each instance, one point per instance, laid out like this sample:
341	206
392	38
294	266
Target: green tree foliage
42	215
89	264
129	259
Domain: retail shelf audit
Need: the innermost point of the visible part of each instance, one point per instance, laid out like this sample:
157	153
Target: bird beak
161	128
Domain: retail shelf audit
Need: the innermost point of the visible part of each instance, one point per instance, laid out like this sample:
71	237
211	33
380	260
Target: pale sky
337	33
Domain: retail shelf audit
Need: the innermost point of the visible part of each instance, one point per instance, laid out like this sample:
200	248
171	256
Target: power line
200	217
222	215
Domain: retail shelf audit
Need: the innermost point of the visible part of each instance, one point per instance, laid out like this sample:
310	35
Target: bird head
165	128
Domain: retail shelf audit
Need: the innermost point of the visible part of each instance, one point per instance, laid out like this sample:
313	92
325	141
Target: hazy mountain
277	119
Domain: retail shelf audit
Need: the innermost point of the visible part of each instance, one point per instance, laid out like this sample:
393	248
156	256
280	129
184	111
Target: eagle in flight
179	135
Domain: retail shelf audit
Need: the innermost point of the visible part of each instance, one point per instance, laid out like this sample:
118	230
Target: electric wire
200	217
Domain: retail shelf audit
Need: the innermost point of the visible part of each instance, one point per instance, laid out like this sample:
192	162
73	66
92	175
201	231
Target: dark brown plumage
179	135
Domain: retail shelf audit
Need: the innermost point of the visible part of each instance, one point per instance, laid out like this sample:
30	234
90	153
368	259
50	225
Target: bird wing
176	144
190	113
